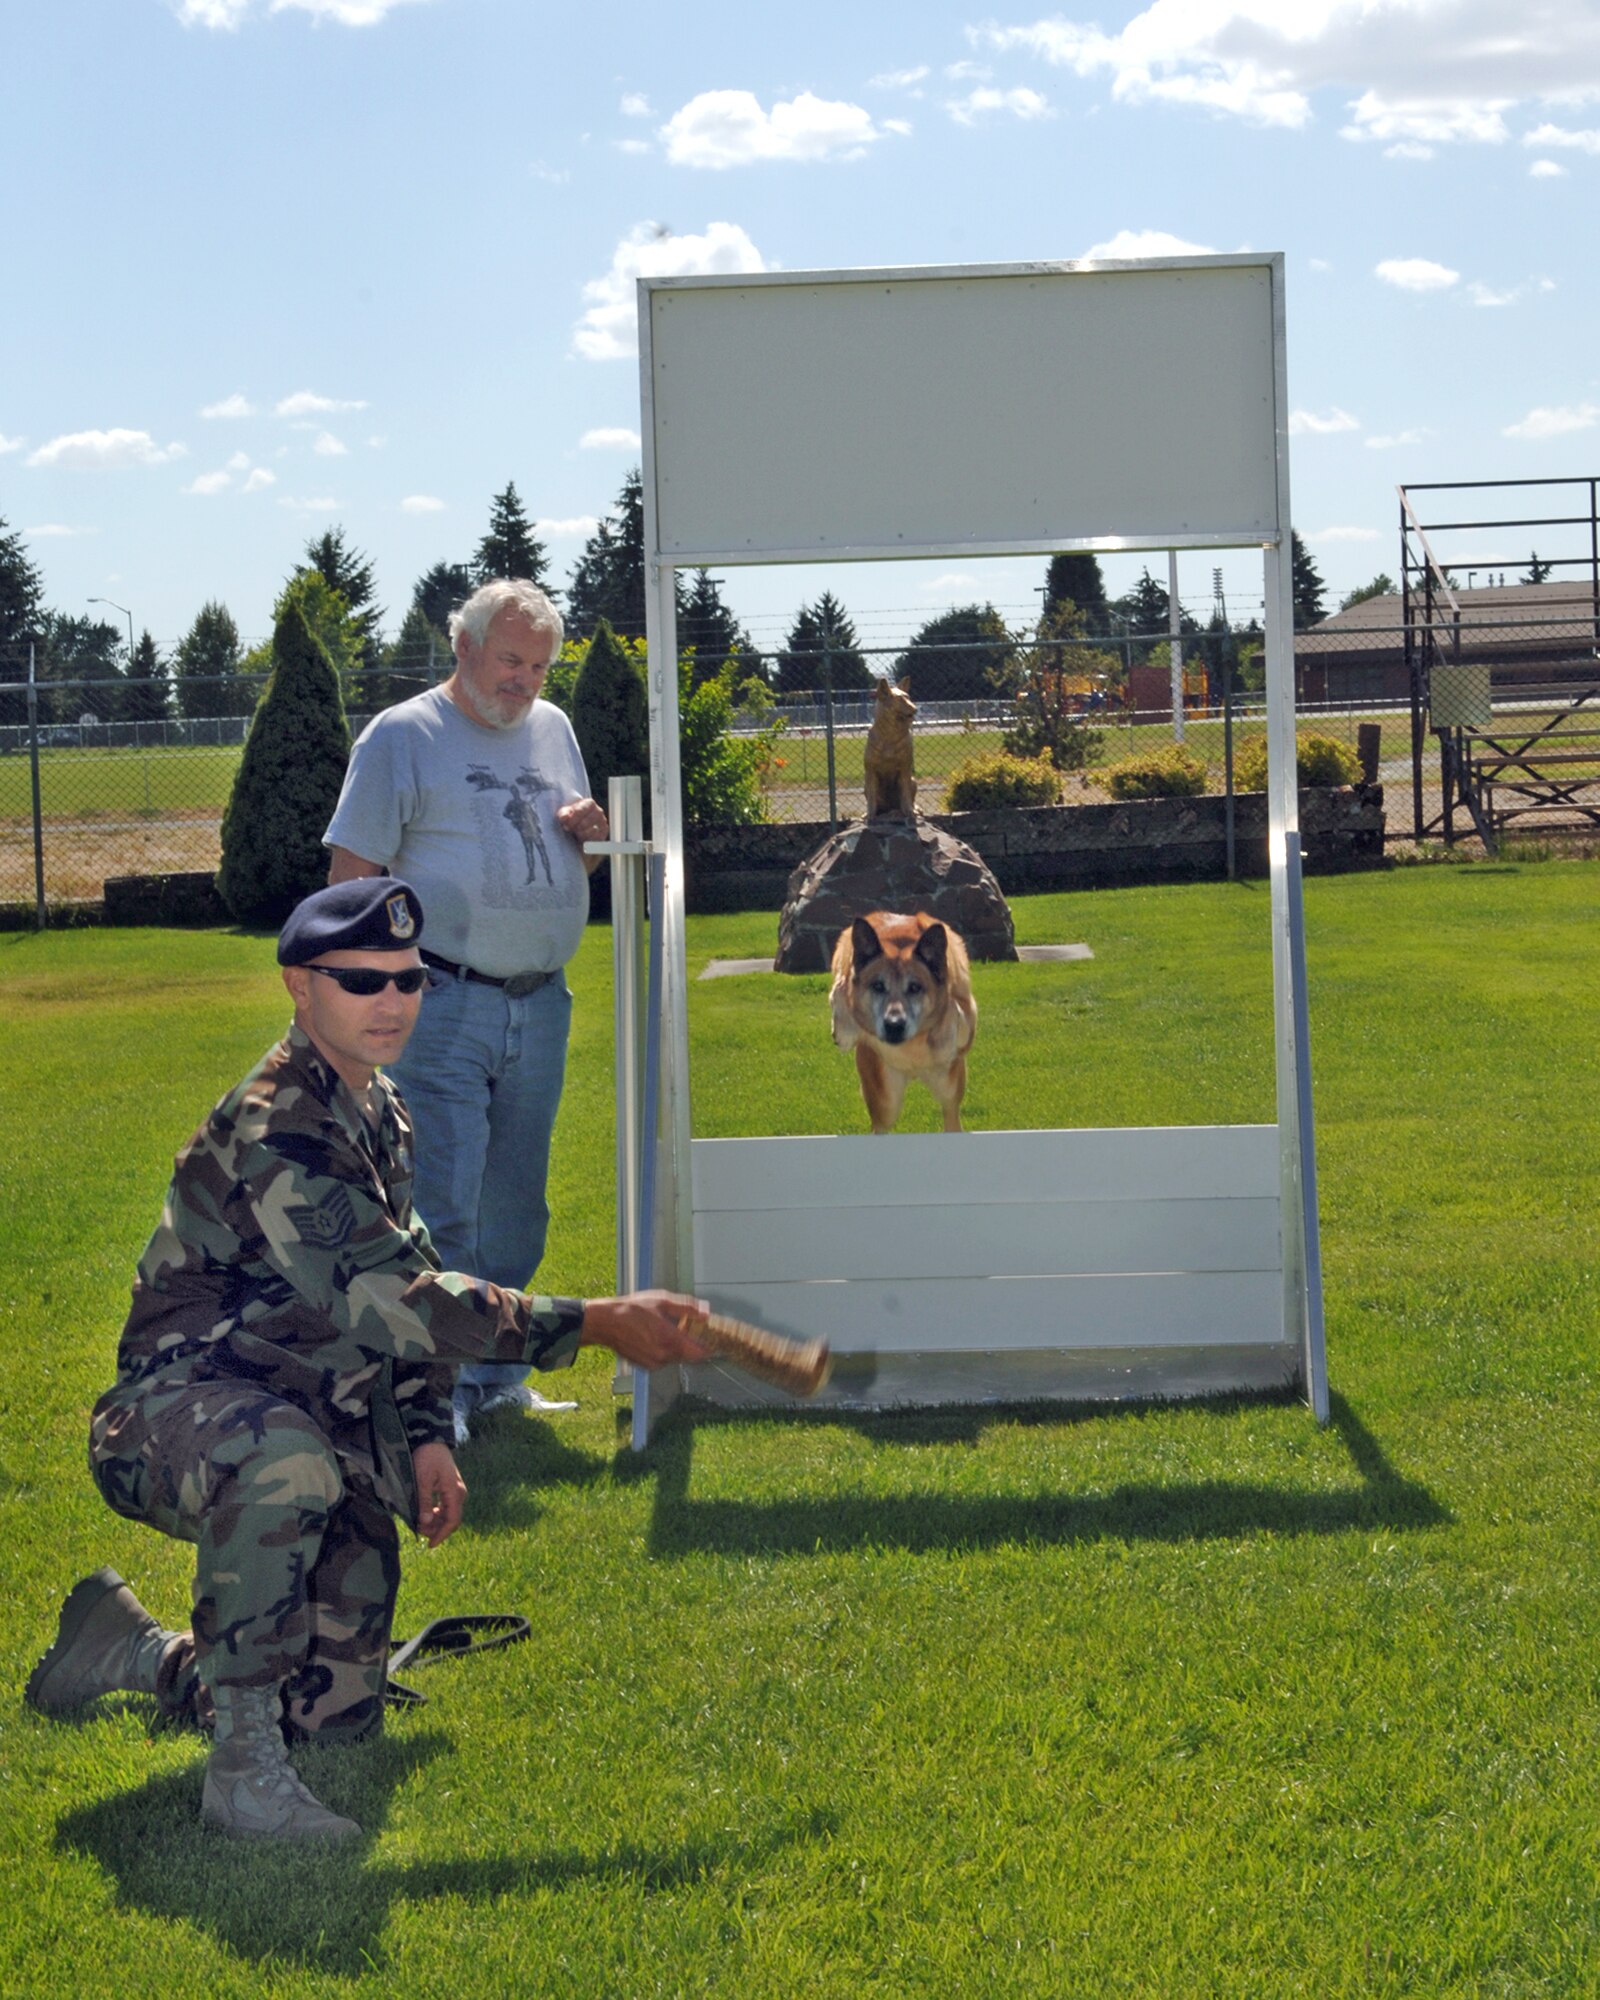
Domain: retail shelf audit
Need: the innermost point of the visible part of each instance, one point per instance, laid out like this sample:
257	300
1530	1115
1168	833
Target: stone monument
893	859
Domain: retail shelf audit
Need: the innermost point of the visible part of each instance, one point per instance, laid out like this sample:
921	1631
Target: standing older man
283	1384
475	791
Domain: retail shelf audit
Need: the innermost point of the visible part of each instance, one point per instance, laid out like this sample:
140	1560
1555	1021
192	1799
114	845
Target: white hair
507	594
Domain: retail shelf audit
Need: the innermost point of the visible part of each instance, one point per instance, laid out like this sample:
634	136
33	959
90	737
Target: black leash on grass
448	1638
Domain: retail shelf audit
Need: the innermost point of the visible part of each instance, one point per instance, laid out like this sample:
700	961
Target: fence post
827	716
41	915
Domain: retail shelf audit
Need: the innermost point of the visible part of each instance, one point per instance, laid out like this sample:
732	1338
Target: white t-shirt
467	816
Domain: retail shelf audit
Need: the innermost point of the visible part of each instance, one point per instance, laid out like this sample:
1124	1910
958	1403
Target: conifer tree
146	693
205	664
510	548
1306	584
21	607
610	714
288	781
1076	577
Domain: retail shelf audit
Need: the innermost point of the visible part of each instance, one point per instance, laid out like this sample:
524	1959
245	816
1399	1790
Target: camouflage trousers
297	1561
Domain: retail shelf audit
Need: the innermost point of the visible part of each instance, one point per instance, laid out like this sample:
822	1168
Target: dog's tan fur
889	785
902	1000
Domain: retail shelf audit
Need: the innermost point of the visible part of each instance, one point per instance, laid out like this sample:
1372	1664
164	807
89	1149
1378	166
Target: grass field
1175	1701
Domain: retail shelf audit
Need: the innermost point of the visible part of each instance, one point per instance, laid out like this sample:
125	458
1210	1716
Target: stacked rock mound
894	862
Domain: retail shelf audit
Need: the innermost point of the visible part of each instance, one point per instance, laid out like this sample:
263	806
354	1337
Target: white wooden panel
931	1315
986	1240
803	414
932	1169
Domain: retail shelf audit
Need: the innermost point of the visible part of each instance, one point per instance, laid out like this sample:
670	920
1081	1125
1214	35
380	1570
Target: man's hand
584	819
441	1493
647	1328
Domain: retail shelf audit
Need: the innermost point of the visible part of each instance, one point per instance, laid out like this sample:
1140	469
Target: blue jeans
482	1078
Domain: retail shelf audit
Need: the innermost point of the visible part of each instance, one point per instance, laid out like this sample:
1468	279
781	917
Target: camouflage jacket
287	1256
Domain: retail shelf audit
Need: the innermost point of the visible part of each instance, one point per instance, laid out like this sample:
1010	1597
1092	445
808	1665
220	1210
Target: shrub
995	779
610	714
721	773
287	783
1319	760
1168	773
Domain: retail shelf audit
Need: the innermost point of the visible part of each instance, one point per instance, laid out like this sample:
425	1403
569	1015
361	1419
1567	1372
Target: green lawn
1187	1701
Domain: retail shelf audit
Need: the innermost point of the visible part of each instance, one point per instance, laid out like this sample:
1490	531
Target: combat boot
106	1643
252	1791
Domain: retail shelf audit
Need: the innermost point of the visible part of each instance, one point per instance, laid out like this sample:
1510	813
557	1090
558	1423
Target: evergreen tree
709	630
510	548
147	693
608	581
1306	583
1076	579
206	665
611	714
21	607
822	650
1053	684
324	609
1538	572
288	781
439	591
350	573
419	658
962	655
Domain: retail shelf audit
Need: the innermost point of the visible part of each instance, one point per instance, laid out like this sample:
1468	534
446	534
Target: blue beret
370	913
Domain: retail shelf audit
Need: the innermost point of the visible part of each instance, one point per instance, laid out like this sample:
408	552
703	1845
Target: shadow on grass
328	1908
1178	1511
510	1458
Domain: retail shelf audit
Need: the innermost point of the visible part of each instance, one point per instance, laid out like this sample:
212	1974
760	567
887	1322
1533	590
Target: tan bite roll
798	1366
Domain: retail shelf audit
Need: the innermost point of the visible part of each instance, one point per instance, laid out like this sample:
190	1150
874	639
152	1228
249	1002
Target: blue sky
276	265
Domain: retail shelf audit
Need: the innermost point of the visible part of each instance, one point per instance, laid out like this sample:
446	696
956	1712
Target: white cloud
1485	295
421	503
54	530
556	176
577	527
962	72
231	13
1395	438
1559	136
209	482
949	583
633	146
608	330
635	105
260	479
1547	170
1143	243
1307	422
328	446
616	437
307	403
1408	149
1416	274
212	13
9	444
900	127
1555	422
104	451
985	100
1345	535
230	406
1425	71
899	79
240	462
728	128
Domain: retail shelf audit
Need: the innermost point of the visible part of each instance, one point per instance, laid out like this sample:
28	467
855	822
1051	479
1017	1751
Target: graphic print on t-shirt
521	812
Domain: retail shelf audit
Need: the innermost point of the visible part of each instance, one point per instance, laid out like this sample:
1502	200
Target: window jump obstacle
993	410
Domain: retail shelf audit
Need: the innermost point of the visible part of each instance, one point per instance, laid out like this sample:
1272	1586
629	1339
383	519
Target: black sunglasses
365	981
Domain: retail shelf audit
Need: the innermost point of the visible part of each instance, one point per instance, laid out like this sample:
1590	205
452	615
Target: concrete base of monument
896	862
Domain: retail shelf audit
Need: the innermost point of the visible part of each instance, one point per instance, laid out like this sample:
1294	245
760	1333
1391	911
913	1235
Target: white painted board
798	415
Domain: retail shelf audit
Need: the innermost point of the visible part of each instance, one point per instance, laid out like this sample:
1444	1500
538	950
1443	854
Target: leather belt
514	987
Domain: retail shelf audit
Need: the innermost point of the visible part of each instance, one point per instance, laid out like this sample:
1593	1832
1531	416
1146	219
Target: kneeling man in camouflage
284	1381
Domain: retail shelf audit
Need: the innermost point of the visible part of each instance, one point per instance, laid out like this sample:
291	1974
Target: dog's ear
864	943
933	948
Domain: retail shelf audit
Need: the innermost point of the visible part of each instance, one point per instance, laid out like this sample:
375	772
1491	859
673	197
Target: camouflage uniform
291	1342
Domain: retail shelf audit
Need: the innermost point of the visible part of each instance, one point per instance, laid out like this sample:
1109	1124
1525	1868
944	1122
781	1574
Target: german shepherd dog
902	999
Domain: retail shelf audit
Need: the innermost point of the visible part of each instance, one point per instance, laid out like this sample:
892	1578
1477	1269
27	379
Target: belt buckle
523	983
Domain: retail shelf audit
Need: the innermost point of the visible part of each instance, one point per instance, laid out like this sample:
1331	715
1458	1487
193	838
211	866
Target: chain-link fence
83	799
